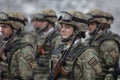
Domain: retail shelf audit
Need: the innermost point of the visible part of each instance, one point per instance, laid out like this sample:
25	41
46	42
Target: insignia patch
92	61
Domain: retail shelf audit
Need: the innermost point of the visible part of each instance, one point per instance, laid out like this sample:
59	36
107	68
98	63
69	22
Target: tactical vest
10	50
43	60
98	42
70	61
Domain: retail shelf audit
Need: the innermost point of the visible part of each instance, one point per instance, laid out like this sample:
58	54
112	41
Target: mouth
63	34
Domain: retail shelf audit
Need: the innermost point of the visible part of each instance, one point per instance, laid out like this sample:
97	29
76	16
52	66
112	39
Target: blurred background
30	6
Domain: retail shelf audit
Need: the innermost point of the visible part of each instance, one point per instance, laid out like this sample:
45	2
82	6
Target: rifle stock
2	57
59	69
41	50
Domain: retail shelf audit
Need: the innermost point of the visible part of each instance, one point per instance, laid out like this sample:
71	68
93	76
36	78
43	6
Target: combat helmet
100	16
74	18
15	19
47	14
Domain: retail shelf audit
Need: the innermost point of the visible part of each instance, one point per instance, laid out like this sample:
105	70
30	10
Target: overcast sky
30	6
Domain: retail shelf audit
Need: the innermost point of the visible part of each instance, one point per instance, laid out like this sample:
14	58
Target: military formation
55	50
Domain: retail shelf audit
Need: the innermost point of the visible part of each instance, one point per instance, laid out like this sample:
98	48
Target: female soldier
72	60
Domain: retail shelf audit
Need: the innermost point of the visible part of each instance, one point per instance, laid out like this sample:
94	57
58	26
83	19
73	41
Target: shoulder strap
58	49
74	51
51	36
16	45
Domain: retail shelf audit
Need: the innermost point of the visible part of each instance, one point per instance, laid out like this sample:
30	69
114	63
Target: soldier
25	35
79	62
17	57
105	41
47	38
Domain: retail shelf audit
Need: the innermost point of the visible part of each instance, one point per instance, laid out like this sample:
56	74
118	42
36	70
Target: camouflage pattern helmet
75	18
15	19
100	16
47	14
110	21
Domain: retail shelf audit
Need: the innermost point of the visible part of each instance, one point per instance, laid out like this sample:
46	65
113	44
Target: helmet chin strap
46	27
92	33
70	38
95	32
7	38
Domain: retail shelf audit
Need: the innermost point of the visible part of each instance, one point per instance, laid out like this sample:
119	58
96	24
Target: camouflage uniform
29	37
20	61
107	44
26	36
49	39
82	62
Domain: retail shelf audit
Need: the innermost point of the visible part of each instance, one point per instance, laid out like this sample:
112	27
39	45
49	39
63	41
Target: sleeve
56	41
29	38
89	64
26	63
110	51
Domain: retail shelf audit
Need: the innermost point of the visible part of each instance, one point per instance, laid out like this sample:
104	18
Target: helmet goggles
99	16
67	17
6	17
41	16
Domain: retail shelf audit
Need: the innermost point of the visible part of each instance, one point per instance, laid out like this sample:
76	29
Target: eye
68	27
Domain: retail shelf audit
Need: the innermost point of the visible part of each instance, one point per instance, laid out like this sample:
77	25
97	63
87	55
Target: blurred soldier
47	38
17	57
25	35
107	43
79	62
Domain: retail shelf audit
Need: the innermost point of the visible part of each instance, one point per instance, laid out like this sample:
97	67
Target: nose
62	29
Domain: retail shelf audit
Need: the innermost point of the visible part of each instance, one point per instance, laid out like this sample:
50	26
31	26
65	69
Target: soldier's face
92	27
6	30
66	30
35	24
43	24
39	24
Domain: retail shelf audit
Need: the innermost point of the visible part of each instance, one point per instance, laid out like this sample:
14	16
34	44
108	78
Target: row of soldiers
56	51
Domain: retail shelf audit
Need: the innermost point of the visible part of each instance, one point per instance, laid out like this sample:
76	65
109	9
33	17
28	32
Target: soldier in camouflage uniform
105	41
81	62
18	61
47	38
28	36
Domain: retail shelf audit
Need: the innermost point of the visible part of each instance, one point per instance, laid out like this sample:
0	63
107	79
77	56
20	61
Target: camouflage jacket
82	62
108	46
20	62
29	37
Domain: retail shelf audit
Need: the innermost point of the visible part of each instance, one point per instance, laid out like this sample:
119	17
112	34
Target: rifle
40	50
58	69
5	46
